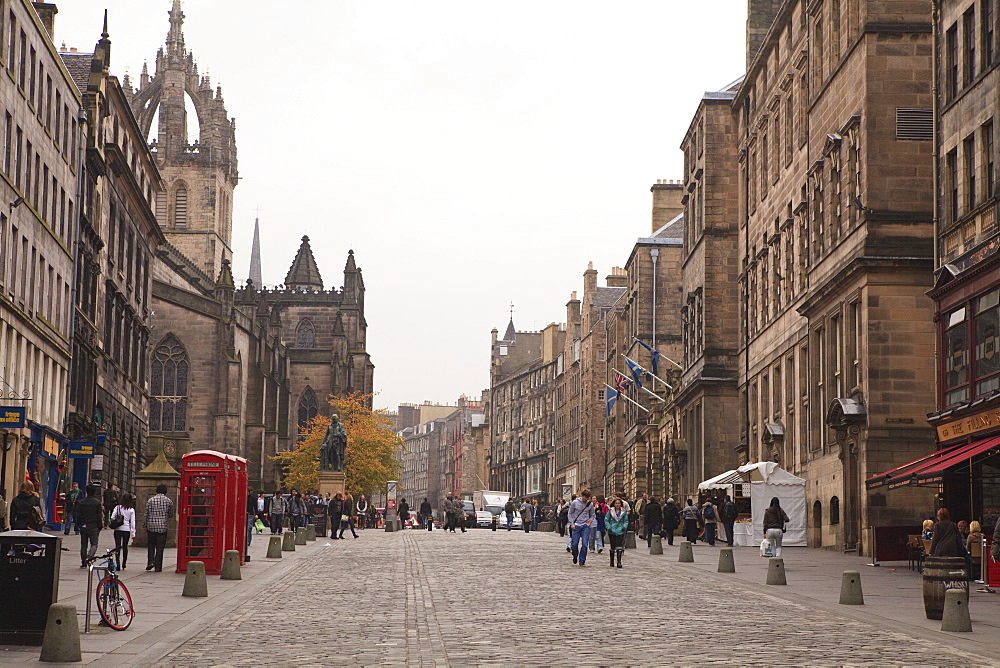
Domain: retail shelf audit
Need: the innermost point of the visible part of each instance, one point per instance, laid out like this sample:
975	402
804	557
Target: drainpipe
935	83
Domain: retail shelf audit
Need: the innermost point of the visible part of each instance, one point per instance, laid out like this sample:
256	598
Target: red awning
882	478
930	470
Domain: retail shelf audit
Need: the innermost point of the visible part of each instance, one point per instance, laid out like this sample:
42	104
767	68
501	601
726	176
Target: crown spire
304	273
175	37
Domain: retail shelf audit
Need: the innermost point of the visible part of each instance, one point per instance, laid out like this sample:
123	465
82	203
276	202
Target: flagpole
631	401
672	362
669	386
652	394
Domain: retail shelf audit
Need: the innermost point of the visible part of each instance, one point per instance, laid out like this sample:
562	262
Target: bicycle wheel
114	603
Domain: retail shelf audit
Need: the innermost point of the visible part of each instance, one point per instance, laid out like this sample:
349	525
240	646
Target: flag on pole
612	397
655	353
636	370
621	382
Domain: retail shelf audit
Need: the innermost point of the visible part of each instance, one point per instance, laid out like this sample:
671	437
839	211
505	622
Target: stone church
233	368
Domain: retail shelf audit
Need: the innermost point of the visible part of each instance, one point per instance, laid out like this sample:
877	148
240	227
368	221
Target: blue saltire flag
655	353
611	398
637	372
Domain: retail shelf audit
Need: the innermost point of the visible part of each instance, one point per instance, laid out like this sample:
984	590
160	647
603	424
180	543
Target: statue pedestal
331	481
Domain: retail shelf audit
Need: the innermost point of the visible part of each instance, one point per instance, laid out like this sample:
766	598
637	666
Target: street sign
12	417
81	449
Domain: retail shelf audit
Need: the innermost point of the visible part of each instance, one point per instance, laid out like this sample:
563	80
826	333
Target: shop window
987	359
956	355
834	510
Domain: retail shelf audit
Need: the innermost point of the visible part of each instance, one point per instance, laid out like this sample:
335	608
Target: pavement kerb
171	634
794	593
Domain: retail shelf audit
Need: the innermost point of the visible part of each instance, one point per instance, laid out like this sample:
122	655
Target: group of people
88	515
339	512
949	539
529	511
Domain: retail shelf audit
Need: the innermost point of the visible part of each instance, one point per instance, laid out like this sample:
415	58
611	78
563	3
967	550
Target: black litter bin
29	580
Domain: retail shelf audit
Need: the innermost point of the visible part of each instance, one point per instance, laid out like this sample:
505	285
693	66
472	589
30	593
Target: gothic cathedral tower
199	173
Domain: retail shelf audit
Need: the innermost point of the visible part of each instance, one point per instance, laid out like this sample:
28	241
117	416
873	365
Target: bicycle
113	600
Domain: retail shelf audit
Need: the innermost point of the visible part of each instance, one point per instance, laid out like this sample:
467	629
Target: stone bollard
195	584
955	617
310	532
850	589
274	548
686	554
231	566
300	536
776	571
288	542
629	540
61	643
726	562
656	545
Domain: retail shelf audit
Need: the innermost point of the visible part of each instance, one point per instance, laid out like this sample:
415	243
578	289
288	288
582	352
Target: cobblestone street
498	598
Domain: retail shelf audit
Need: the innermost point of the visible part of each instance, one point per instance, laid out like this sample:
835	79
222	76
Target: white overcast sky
472	154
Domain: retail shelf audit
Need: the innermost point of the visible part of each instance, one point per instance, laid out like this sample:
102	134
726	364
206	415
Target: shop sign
81	449
51	446
97	463
969	425
12	417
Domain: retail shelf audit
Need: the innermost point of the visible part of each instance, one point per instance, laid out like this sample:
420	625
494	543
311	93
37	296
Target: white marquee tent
766	481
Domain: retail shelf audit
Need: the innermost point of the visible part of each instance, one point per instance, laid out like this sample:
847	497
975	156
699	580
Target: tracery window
169	386
180	206
305	334
308	408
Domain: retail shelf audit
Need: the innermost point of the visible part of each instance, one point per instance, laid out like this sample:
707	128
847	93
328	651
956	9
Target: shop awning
721	481
931	469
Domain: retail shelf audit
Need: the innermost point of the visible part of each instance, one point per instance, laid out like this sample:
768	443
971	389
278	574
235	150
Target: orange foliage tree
369	459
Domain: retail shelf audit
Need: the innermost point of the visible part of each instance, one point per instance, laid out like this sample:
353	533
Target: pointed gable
304	273
510	333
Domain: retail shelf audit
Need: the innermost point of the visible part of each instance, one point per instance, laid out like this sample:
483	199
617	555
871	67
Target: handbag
117	519
36	517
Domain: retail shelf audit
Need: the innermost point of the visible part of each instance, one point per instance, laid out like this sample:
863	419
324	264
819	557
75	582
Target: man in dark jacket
90	521
728	515
671	520
427	514
652	518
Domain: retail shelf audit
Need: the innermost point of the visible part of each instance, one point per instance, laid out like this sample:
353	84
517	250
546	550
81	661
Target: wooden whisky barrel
941	574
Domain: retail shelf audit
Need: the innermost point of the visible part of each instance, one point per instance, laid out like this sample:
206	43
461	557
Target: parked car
502	520
484	519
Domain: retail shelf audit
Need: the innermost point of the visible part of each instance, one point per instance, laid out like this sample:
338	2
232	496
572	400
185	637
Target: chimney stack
47	13
667	195
760	16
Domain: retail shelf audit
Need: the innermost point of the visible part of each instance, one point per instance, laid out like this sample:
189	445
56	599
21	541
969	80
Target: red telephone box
238	484
207	518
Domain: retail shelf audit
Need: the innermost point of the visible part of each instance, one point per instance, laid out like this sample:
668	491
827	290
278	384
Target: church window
180	207
308	408
305	335
169	386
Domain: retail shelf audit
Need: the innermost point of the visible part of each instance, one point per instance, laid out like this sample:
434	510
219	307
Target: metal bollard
493	524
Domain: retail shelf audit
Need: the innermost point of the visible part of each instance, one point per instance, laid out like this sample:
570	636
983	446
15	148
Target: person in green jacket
616	523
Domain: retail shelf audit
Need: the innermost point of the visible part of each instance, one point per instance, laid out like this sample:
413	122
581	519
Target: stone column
159	472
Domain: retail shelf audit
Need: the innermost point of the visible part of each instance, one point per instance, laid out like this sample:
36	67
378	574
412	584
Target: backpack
729	511
709	512
509	507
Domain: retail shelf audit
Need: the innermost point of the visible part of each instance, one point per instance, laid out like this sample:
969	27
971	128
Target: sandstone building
42	135
836	238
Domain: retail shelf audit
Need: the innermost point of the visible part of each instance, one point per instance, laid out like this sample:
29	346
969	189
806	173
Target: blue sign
81	450
12	417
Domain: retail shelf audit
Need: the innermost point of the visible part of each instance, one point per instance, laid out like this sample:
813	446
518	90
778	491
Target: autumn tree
370	456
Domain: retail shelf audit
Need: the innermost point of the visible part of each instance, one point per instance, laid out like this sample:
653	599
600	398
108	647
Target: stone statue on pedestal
331	451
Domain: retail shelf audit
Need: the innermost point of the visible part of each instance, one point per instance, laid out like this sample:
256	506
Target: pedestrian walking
111	499
124	512
159	510
26	509
597	535
691	517
508	511
581	517
90	516
728	514
404	512
640	515
775	520
296	510
569	527
72	496
671	520
536	513
427	513
652	519
336	514
362	507
616	522
456	513
278	509
562	510
527	512
347	519
710	517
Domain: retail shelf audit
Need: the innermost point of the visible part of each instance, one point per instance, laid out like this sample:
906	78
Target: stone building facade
967	287
523	378
421	458
707	394
836	239
42	134
119	236
234	369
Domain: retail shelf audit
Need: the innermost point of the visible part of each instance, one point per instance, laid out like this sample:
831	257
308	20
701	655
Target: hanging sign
81	449
12	417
